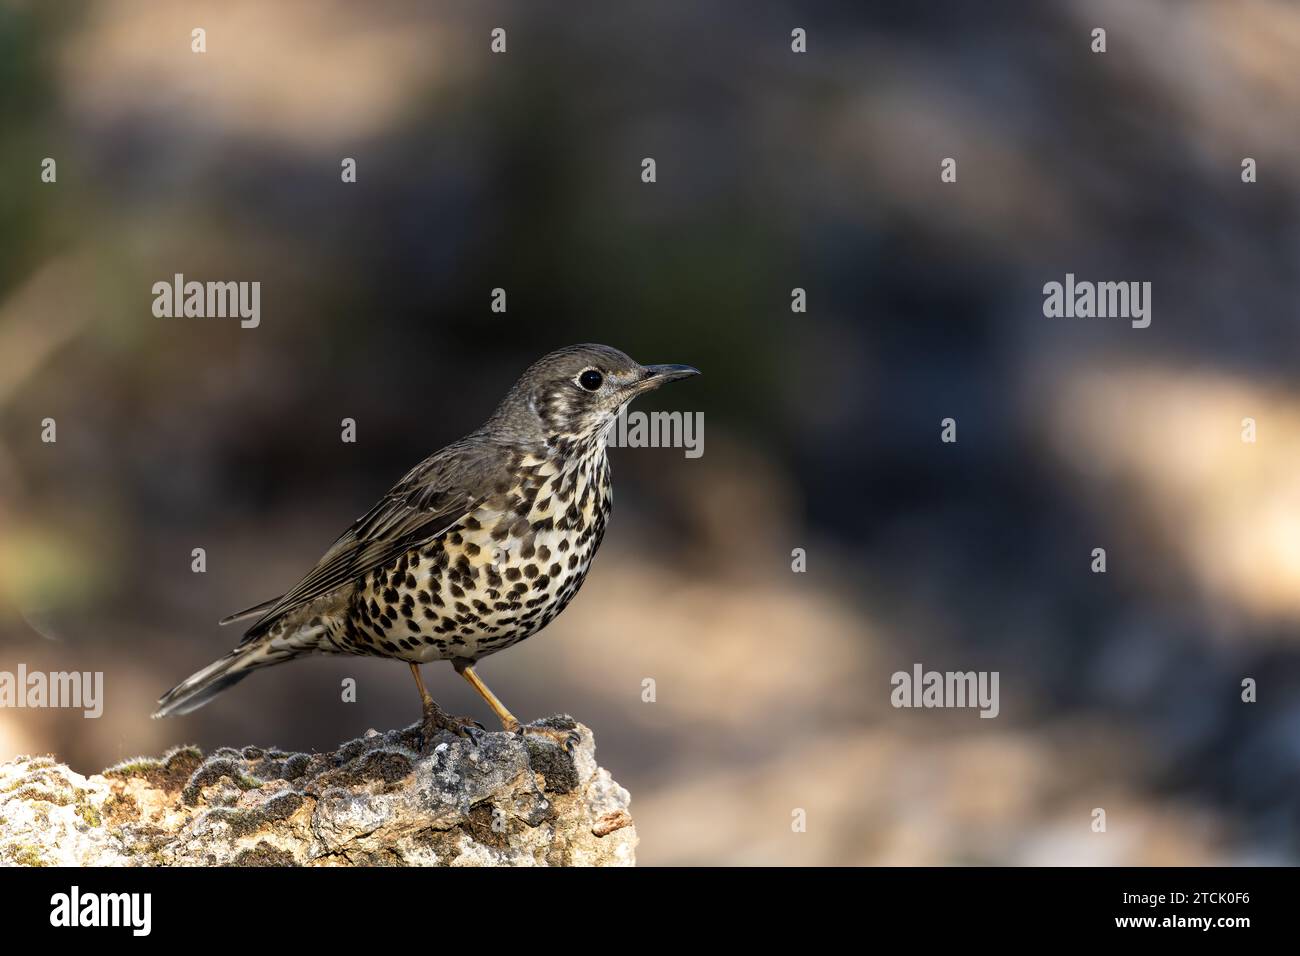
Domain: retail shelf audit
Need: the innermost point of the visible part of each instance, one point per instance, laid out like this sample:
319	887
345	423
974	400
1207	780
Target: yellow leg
568	739
425	700
508	720
435	718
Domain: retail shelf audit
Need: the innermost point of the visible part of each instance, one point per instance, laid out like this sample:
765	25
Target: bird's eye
591	379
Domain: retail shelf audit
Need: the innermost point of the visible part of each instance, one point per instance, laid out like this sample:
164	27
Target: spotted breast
496	577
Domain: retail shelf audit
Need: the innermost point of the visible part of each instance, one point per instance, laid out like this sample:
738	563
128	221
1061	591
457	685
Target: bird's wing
257	610
431	498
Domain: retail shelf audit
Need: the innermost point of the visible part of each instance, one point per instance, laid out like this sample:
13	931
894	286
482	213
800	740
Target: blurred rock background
775	170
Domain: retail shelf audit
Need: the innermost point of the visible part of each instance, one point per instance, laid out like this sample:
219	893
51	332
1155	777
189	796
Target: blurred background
775	170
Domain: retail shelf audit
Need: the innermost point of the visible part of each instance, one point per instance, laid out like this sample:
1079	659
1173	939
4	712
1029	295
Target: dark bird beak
656	375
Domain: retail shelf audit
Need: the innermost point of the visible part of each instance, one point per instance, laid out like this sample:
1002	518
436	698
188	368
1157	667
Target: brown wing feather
429	500
257	610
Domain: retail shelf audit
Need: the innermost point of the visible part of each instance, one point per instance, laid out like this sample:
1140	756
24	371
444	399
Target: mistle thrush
478	547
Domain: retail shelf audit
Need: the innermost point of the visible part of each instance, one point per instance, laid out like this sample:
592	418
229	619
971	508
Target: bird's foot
436	720
566	737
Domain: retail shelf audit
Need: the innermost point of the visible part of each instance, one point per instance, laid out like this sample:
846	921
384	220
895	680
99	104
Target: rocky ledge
380	800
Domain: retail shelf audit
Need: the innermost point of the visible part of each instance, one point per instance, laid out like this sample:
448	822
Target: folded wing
430	499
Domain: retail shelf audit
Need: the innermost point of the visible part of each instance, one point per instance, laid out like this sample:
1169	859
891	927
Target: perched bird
478	547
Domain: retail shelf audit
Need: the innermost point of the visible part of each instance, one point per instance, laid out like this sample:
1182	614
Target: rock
378	800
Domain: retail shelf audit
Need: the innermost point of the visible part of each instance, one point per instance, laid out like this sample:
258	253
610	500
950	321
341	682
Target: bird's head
574	394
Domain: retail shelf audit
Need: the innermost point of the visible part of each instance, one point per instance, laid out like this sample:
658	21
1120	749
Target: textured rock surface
376	801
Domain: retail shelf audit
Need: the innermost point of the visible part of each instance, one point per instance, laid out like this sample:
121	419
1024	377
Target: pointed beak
656	375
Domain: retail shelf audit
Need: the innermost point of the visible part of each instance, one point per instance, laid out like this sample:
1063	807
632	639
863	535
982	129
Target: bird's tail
199	688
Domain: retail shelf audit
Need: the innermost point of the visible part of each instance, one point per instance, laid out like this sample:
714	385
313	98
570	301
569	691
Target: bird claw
567	739
465	727
472	731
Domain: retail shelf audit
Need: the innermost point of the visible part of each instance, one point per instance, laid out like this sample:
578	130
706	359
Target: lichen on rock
383	799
